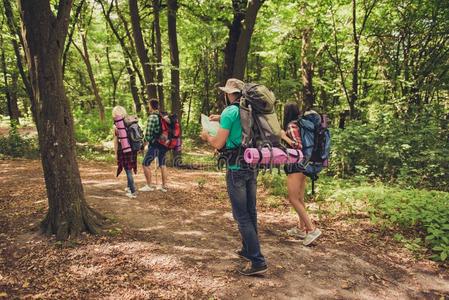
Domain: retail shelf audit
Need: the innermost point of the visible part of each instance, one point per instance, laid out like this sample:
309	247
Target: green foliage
16	145
409	152
421	214
89	129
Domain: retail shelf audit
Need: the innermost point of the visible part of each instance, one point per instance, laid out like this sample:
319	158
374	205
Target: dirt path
180	245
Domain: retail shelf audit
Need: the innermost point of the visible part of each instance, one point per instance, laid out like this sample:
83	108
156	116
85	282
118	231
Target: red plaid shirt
127	161
294	134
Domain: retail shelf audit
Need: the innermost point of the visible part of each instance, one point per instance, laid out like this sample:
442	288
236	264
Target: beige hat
233	85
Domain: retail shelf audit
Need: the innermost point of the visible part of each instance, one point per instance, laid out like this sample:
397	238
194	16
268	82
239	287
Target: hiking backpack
260	125
170	131
135	134
316	142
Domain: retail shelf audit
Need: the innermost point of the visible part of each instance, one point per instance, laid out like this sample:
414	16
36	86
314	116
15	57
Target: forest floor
179	245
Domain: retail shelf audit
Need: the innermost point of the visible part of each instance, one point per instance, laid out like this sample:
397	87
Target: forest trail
179	245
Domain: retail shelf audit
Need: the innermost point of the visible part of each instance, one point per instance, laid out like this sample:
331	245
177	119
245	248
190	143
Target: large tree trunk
141	50
159	68
239	12
244	41
307	70
172	7
14	31
86	58
68	213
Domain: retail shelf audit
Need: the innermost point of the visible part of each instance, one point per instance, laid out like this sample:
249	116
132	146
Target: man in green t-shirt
241	180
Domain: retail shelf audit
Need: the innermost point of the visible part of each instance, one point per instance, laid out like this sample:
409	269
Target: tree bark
70	36
133	87
84	52
141	50
308	92
172	7
244	40
44	36
159	67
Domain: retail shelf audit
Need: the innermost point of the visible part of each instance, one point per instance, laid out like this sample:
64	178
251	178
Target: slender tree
172	7
141	49
158	44
44	36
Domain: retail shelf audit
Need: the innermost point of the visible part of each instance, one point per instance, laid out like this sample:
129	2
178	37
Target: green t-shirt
230	120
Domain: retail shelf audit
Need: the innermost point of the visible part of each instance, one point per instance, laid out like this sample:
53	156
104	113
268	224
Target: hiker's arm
214	118
115	144
292	136
217	141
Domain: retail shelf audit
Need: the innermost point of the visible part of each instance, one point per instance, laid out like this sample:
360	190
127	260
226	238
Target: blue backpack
316	143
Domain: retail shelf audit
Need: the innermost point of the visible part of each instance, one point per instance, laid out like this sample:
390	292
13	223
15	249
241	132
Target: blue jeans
242	192
129	176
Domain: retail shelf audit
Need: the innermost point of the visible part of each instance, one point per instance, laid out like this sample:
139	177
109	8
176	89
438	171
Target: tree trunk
68	213
244	41
307	70
172	7
150	88
85	56
13	30
355	66
133	87
13	110
159	68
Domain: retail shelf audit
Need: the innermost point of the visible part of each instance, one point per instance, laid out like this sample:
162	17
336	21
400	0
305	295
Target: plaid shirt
294	134
127	161
153	127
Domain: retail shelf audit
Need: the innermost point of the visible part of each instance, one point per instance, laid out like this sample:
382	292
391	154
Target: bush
411	153
17	146
89	129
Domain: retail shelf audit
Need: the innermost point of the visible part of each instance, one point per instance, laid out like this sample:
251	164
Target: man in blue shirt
241	180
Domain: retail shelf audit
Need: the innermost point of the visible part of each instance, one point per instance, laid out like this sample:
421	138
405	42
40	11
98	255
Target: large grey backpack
260	125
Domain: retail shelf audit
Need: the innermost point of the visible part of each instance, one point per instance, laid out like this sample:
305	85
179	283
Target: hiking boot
296	232
250	270
241	255
162	189
311	237
147	188
131	195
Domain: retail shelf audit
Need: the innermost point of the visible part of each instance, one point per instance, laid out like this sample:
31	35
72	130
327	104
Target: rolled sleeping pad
122	134
291	156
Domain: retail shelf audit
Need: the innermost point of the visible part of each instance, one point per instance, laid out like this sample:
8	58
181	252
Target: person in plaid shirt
125	161
296	179
155	149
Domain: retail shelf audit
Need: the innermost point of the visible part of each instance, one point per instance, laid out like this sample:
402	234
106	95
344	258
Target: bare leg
147	172
164	176
295	193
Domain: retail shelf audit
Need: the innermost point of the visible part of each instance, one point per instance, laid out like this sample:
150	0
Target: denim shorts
154	151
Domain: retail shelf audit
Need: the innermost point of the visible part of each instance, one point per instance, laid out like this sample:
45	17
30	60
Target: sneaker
162	189
127	190
131	195
241	255
296	232
311	237
147	188
250	270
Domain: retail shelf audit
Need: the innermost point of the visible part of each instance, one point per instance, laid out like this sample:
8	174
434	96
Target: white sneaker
296	232
311	237
147	188
127	190
131	195
162	189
